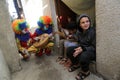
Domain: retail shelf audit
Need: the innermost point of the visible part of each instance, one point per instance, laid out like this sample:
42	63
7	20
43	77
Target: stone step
92	67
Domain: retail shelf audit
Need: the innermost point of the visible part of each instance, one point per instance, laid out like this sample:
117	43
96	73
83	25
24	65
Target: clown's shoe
48	51
39	53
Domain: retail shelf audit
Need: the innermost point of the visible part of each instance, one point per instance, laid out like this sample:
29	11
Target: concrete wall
4	71
108	38
7	42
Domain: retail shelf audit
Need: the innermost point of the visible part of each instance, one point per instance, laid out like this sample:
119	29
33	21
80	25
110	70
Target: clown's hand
51	37
36	39
25	51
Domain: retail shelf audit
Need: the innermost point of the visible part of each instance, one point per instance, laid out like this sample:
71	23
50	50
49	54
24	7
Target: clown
22	36
44	30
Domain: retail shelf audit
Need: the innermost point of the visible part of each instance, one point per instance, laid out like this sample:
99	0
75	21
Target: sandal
59	58
73	68
67	64
64	60
82	76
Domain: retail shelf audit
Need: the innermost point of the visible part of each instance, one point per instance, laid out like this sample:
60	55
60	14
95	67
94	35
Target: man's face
72	31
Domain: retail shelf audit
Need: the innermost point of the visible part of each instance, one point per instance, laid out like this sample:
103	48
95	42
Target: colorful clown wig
18	25
43	20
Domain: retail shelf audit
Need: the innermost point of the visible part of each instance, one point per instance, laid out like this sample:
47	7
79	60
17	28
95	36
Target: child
86	50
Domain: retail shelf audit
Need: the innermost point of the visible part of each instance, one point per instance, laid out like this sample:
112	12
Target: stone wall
7	41
108	38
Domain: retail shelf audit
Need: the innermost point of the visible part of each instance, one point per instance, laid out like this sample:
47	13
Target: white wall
33	9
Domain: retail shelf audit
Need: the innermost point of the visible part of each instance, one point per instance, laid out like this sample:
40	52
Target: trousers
83	58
